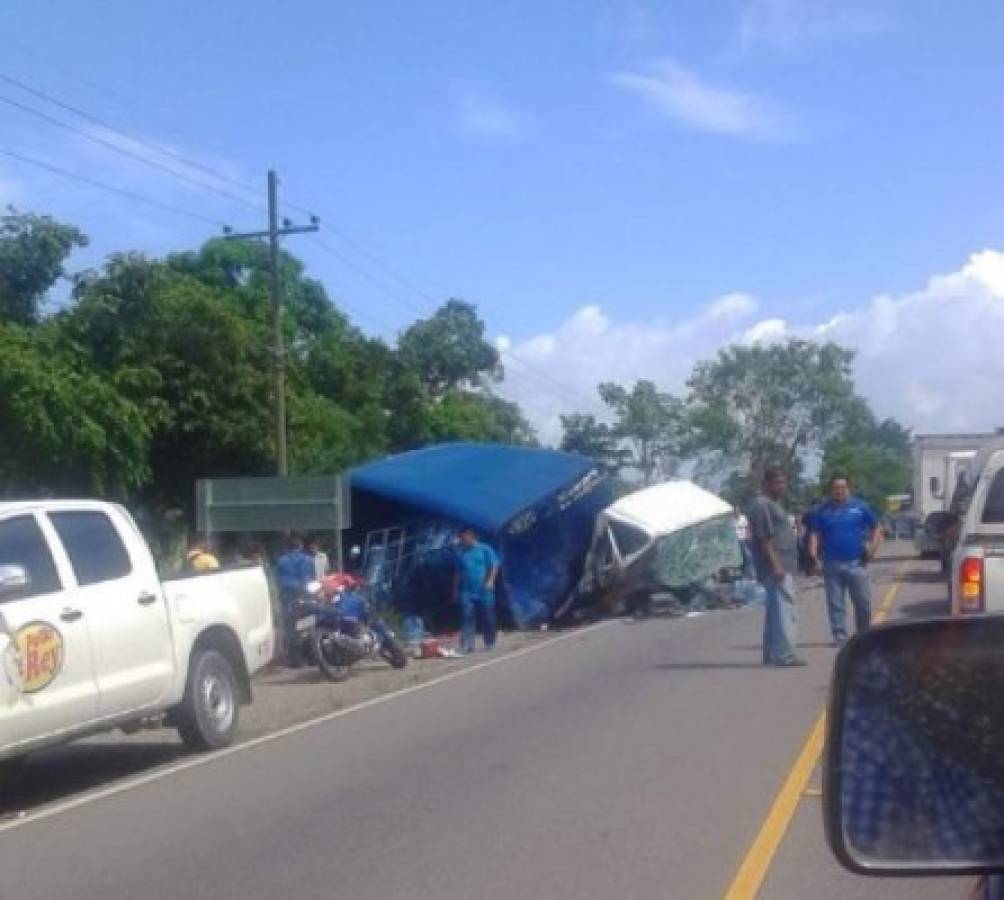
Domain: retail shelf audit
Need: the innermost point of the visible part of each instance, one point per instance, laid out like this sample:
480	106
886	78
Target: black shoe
790	662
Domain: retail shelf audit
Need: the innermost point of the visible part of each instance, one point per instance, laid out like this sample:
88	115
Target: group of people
844	535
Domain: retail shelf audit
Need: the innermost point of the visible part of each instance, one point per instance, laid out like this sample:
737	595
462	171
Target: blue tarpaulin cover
537	507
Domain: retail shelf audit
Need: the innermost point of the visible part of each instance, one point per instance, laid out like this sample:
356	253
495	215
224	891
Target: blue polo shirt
294	570
473	565
844	529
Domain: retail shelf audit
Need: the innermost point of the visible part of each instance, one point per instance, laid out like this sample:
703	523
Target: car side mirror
13	578
913	782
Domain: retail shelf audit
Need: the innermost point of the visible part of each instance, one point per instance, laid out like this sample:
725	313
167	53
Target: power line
150	145
123	192
52	120
538	374
374	258
370	277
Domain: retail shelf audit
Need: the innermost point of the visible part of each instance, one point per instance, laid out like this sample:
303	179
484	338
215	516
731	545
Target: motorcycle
337	626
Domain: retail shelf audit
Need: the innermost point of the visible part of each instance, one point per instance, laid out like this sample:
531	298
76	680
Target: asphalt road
629	761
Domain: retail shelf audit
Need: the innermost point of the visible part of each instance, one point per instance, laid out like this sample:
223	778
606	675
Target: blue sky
545	159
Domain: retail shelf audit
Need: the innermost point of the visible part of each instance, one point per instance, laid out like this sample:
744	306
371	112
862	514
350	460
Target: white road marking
129	784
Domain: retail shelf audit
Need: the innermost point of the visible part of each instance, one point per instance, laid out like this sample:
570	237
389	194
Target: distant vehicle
91	639
899	520
939	460
977	564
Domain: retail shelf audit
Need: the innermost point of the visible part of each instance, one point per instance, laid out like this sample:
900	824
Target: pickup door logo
40	651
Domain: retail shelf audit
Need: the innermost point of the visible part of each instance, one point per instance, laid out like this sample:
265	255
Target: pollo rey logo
40	651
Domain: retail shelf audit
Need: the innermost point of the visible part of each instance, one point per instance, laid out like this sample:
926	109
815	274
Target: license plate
306	623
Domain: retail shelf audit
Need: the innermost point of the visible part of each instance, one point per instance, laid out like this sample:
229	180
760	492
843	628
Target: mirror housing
913	779
13	578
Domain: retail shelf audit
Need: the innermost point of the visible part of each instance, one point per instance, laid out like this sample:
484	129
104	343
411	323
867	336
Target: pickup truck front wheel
210	711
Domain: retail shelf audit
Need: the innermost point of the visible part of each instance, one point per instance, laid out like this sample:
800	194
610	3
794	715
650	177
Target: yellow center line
757	861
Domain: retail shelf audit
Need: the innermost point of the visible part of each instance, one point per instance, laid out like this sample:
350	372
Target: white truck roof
668	507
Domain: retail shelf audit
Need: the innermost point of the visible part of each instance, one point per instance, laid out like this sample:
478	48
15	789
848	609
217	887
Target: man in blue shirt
846	532
294	570
476	568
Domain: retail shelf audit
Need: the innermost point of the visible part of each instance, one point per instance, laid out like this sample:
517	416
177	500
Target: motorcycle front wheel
330	657
393	652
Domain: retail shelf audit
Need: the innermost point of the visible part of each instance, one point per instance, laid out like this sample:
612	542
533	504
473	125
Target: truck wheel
210	712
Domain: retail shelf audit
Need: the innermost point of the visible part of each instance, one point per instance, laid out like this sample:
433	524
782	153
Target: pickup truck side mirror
13	579
913	782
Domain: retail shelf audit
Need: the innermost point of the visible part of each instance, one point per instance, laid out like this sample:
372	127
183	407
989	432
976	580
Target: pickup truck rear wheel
210	711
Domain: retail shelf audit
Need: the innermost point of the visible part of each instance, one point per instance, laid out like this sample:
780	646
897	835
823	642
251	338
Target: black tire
393	652
210	711
331	659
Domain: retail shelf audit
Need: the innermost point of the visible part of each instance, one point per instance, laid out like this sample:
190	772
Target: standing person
294	570
745	548
477	568
322	565
776	558
198	558
846	532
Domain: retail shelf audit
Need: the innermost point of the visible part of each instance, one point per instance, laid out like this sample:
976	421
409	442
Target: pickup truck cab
91	638
977	567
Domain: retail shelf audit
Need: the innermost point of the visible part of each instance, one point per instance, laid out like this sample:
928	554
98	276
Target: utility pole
278	345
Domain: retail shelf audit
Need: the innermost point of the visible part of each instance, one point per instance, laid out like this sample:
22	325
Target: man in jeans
846	532
476	569
775	555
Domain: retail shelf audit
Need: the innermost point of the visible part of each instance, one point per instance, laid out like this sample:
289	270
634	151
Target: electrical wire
374	259
123	192
142	142
52	120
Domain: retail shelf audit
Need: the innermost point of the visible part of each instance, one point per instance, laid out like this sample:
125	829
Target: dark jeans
470	607
840	579
288	600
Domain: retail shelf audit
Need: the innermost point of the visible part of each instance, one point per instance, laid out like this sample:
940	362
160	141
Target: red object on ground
430	648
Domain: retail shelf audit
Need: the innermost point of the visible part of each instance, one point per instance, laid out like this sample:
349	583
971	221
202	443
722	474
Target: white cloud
685	97
480	117
795	23
932	357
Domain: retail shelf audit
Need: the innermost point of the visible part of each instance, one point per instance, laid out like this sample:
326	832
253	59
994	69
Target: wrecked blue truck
537	508
566	545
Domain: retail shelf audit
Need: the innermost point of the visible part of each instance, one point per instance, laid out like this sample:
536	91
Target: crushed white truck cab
92	639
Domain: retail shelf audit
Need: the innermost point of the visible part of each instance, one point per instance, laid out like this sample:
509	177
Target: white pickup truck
977	579
91	639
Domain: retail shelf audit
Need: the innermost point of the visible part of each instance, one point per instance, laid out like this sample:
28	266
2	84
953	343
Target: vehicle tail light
971	585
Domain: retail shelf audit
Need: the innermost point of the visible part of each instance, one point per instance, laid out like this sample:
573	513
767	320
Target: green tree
876	456
585	435
67	430
33	251
754	406
648	427
186	355
449	350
